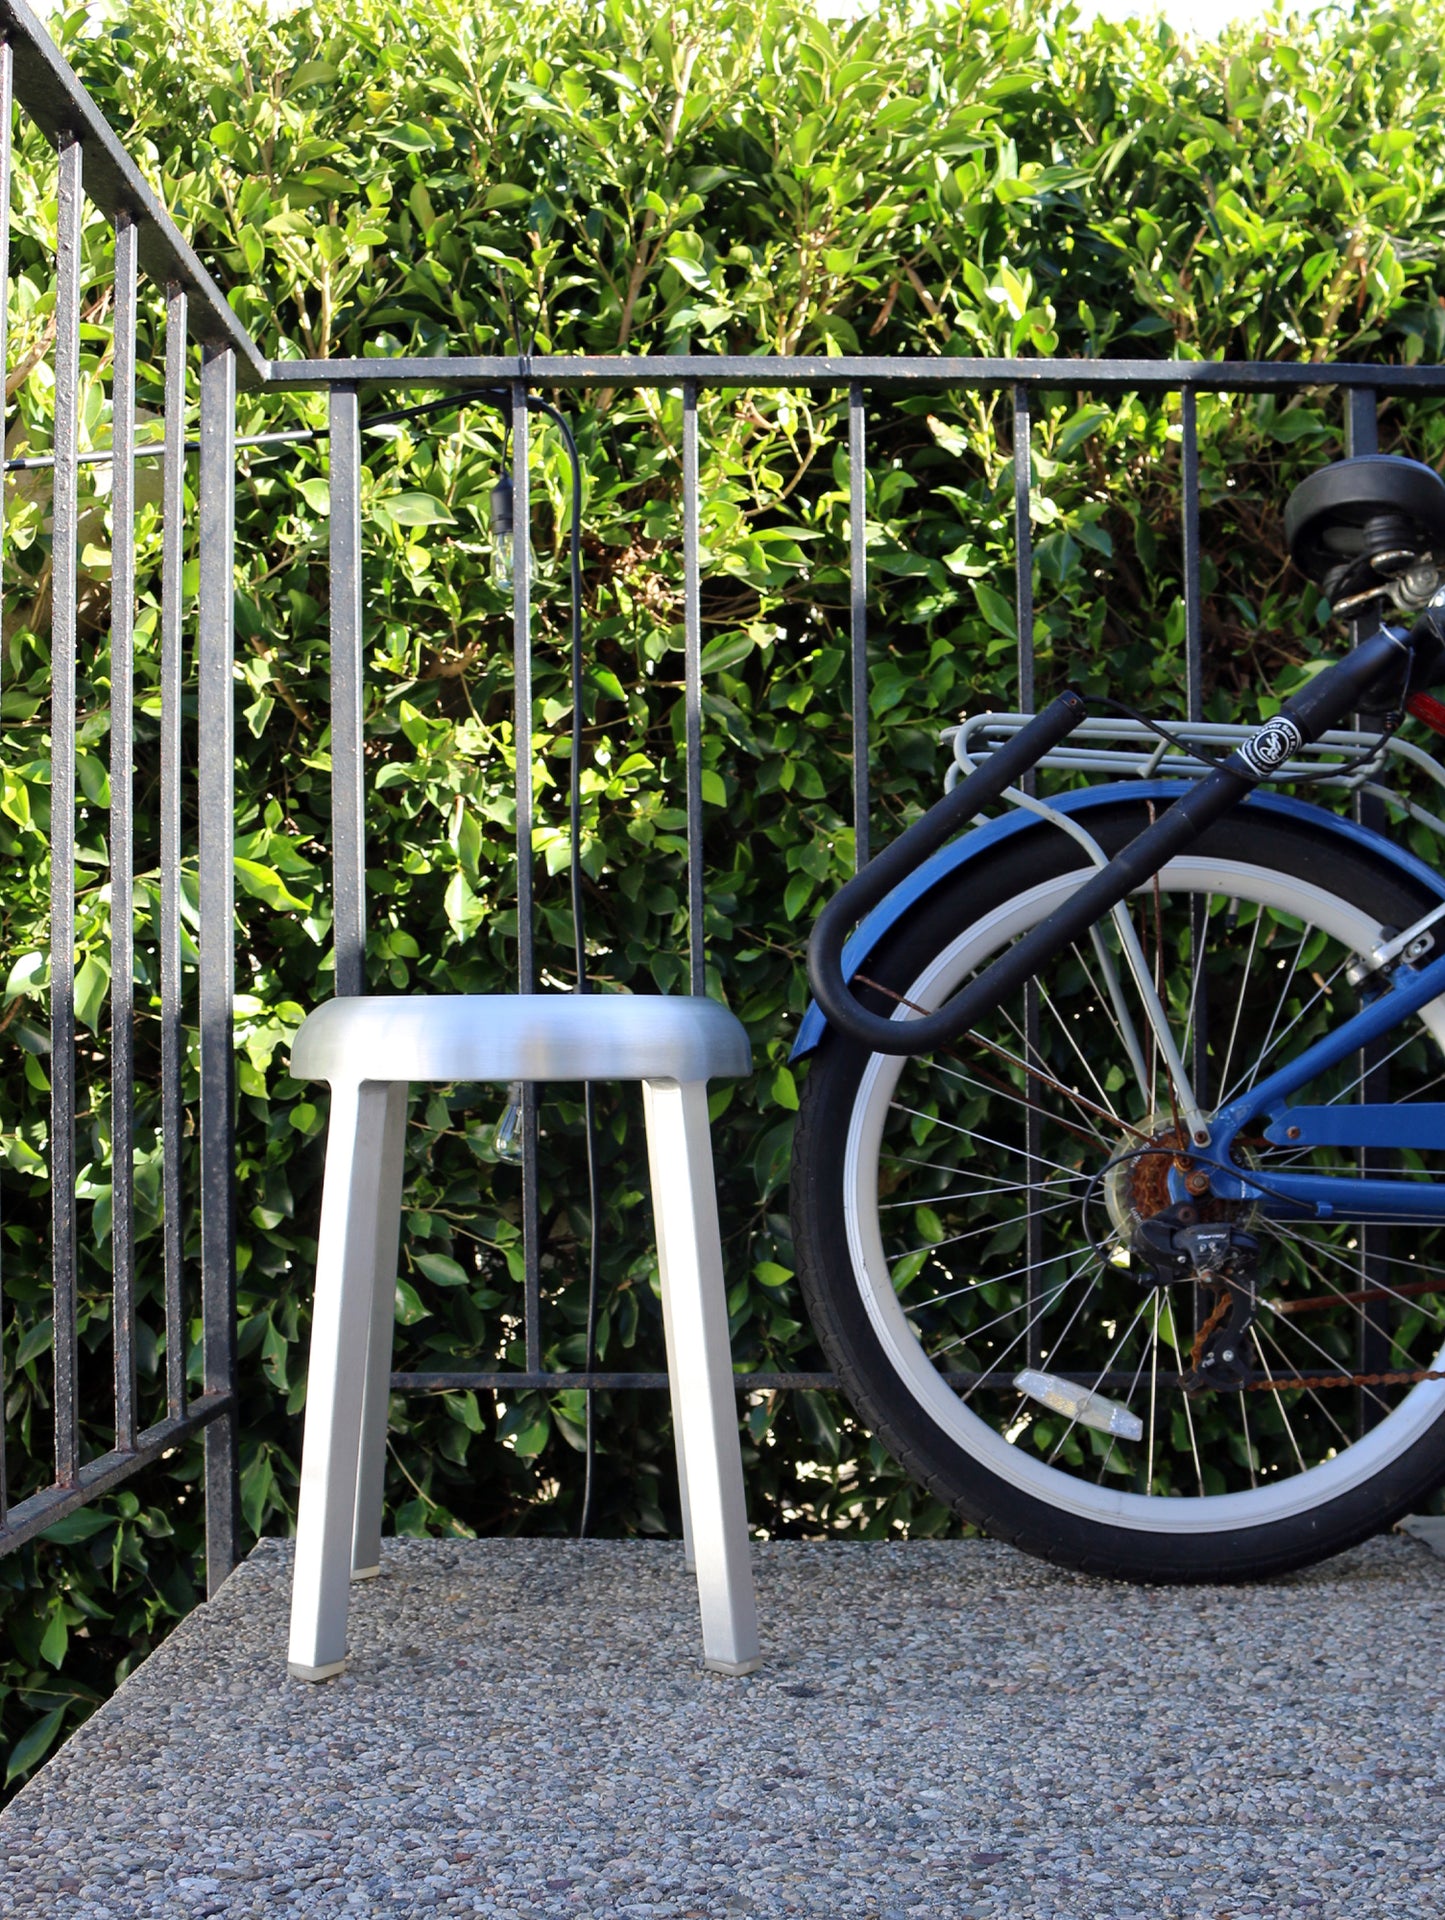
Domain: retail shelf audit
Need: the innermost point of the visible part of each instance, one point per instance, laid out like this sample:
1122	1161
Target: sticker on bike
1272	746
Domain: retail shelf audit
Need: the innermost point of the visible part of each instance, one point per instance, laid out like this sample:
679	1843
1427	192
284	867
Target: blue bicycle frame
1318	1196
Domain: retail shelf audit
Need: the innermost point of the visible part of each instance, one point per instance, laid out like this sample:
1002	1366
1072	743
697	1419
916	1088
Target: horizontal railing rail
585	373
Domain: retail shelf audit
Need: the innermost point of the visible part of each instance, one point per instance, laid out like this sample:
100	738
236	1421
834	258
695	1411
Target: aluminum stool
370	1050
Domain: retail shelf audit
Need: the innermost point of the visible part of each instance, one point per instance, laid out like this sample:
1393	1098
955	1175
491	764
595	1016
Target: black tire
1372	1454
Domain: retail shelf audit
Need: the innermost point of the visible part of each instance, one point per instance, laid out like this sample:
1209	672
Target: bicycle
1115	1199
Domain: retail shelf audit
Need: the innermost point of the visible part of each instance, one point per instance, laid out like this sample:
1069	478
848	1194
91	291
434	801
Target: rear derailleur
1175	1245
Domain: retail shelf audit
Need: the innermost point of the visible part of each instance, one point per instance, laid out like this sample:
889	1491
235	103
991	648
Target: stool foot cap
365	1573
733	1666
328	1672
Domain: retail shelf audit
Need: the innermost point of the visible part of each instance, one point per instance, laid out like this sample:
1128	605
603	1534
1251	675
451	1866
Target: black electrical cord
579	940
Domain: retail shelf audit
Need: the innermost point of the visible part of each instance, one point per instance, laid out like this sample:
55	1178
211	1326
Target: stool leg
341	1325
689	1258
371	1472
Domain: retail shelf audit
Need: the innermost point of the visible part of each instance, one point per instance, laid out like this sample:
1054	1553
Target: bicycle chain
1301	1381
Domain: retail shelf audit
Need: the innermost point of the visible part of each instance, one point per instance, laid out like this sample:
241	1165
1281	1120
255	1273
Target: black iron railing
148	249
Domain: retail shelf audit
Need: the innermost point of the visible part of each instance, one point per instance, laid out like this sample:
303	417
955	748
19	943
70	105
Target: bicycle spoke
972	1133
1245	978
1320	1250
992	1187
976	1233
1153	1392
1374	1066
1248	1442
1144	1351
1046	1000
1099	1379
1277	1396
963	1339
1312	1392
1321	992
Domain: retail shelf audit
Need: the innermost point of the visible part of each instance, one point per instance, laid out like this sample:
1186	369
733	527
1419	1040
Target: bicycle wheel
941	1249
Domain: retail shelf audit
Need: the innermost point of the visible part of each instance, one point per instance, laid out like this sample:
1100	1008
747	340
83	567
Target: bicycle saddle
1369	528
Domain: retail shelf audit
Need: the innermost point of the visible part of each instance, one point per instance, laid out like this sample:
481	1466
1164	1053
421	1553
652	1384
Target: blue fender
1084	800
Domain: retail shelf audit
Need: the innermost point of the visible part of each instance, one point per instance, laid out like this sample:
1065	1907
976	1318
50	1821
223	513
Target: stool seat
370	1050
521	1036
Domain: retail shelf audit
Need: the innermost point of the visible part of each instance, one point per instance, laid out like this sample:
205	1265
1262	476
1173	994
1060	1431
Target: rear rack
1119	747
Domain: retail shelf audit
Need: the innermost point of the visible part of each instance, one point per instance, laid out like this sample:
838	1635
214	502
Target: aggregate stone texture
942	1729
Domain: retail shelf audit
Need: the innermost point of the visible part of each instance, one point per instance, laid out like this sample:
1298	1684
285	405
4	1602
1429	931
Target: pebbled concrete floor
943	1729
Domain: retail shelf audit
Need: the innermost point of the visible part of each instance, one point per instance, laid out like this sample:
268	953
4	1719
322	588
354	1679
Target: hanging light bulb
502	531
507	1140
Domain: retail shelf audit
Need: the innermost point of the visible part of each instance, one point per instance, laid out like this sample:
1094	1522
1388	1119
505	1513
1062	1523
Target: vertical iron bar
1024	545
173	501
526	951
858	615
122	852
1193	593
62	807
692	681
7	99
1194	710
1362	436
1024	606
1362	422
216	759
522	682
348	829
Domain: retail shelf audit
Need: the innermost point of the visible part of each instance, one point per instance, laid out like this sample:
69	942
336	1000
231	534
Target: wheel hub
1136	1182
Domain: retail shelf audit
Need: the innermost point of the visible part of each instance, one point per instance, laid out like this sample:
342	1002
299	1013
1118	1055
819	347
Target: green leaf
33	1745
785	1090
92	985
441	1270
726	651
94	780
529	1442
35	1342
771	1274
316	494
414	510
81	1525
266	884
998	611
410	138
56	1637
409	1308
796	895
929	1225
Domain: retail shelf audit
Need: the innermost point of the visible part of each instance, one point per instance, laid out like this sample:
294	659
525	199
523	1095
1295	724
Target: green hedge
370	178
